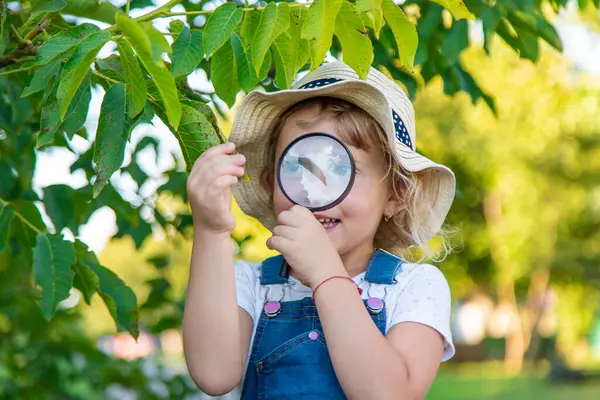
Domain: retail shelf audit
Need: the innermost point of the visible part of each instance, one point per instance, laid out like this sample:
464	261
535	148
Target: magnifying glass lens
316	171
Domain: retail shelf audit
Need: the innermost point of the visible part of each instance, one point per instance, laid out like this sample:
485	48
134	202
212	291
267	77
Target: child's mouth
329	223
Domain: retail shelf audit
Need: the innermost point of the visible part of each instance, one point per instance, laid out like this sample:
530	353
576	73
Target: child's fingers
280	244
284	231
221	149
289	218
225	181
218	166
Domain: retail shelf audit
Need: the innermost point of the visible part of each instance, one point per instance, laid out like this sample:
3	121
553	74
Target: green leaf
367	5
249	26
63	42
274	20
140	4
247	76
372	14
42	76
456	78
224	74
176	26
318	28
524	42
118	297
357	50
490	18
111	67
456	7
8	180
3	14
52	261
187	52
301	48
77	67
456	40
158	43
405	33
86	280
134	79
220	26
93	9
6	216
374	20
138	230
58	202
548	33
290	51
161	76
283	54
535	24
208	114
78	109
30	212
49	120
31	22
48	6
196	135
113	130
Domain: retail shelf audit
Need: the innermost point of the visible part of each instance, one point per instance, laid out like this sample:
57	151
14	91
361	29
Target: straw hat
379	96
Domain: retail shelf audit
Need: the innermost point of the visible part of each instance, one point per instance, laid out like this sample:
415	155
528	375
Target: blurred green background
524	274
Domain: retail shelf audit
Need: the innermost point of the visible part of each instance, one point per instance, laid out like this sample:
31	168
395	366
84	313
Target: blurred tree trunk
521	336
534	309
505	282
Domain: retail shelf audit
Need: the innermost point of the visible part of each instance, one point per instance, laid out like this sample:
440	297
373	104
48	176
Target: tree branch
26	47
151	15
14	55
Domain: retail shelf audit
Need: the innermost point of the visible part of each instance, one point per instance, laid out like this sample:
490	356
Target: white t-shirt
420	295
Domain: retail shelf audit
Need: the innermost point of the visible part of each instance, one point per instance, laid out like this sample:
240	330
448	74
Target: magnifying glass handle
284	272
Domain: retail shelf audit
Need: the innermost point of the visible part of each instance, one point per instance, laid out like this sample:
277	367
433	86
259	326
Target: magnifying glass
315	171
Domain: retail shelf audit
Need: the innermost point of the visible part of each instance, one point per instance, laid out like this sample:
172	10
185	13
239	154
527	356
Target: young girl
353	320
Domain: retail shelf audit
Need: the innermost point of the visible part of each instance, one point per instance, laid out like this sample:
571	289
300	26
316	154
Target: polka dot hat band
400	129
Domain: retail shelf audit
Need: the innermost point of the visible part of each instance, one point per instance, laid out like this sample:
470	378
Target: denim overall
289	357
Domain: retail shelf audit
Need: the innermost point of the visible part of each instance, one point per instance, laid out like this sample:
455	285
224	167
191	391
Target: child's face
359	214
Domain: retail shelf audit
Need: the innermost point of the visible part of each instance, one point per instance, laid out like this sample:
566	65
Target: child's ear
266	180
394	205
396	202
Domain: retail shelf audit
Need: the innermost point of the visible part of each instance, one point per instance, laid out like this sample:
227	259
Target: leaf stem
163	12
38	29
14	71
21	217
127	6
205	12
23	60
151	15
19	38
106	78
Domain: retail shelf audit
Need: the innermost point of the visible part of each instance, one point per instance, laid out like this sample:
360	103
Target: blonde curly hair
403	230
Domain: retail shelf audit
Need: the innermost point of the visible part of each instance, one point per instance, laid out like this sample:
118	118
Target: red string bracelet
334	277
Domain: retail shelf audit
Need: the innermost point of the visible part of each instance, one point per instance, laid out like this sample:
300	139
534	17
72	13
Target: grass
485	382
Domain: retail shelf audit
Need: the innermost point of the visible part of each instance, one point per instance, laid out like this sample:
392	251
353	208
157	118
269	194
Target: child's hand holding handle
208	187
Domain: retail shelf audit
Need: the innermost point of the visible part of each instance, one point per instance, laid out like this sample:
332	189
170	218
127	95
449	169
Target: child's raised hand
306	246
208	187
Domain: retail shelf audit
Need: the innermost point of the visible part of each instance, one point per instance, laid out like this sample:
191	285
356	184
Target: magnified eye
342	169
291	166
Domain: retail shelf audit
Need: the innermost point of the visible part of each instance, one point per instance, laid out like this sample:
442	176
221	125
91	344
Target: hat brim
259	112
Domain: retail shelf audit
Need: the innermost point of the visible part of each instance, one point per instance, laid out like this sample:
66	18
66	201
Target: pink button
313	335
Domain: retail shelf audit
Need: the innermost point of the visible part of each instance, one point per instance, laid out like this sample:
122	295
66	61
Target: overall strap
383	268
269	271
